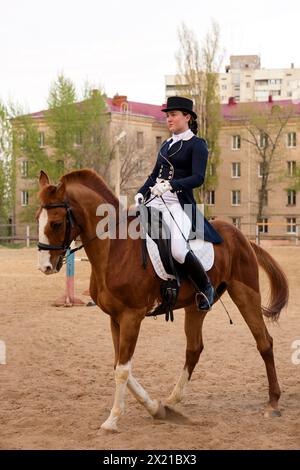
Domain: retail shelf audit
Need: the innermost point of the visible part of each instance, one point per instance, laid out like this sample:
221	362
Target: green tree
7	167
74	134
78	130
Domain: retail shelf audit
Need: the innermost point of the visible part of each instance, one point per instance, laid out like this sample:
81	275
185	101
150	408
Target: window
275	92
78	138
291	197
248	84
41	139
224	87
291	225
236	142
274	81
291	167
158	142
210	195
263	225
140	140
235	198
24	168
291	139
235	170
263	195
261	82
263	140
236	221
211	169
139	166
24	198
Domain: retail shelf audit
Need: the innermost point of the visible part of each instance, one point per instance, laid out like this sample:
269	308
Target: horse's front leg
124	339
125	332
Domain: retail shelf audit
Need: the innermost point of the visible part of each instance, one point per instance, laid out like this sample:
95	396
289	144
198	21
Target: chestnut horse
123	289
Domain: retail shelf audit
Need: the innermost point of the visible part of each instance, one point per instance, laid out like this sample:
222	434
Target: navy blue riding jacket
184	165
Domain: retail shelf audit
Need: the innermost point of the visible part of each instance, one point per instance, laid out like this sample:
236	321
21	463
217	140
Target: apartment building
145	129
246	81
235	199
240	171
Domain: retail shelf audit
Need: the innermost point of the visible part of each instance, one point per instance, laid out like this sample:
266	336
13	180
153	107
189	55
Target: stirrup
199	300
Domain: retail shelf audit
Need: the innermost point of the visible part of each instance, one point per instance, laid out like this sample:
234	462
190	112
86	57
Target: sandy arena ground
57	385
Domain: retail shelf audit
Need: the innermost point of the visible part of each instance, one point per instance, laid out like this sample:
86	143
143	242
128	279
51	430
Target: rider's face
177	122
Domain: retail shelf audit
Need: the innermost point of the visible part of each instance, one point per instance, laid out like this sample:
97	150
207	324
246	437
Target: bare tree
135	158
264	126
197	79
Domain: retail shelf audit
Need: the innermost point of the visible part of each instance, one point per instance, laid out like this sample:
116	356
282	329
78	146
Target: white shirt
186	135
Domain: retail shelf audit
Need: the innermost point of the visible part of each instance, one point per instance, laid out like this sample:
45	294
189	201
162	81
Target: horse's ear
60	190
43	179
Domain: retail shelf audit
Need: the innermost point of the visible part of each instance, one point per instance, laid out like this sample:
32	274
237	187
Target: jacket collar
186	135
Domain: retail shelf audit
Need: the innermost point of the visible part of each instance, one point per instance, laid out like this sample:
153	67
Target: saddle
154	226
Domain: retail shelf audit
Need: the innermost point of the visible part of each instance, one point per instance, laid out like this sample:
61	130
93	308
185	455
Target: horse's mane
92	180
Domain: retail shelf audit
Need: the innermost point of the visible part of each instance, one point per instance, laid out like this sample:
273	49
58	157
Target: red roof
230	112
135	108
139	109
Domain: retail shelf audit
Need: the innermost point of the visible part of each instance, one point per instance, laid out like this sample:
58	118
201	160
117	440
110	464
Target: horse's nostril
48	269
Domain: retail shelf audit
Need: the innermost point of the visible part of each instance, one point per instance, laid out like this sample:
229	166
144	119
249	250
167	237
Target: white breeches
179	246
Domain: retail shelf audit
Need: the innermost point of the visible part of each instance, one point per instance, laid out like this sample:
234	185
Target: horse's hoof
272	413
109	427
160	413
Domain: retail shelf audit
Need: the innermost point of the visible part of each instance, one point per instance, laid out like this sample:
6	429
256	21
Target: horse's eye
56	225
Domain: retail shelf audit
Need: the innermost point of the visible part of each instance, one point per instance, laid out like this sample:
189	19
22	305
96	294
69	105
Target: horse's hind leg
248	302
193	330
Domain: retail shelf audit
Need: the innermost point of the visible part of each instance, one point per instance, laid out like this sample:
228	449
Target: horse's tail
279	284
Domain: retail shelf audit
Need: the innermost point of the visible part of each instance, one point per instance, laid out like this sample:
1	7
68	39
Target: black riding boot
199	278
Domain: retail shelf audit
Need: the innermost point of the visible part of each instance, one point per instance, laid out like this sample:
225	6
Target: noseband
69	225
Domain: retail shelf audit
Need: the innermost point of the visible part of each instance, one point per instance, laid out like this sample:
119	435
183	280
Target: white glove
138	199
160	188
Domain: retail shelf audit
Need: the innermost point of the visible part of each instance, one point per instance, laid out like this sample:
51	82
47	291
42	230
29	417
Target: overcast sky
128	46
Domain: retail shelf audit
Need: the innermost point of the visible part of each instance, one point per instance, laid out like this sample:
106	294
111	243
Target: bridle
66	244
69	226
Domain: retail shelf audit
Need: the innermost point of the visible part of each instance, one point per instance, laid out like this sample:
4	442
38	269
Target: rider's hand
138	199
160	188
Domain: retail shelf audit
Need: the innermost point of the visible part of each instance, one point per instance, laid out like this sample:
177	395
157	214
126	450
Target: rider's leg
182	253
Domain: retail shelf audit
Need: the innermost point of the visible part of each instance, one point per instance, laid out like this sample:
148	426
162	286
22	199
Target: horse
126	290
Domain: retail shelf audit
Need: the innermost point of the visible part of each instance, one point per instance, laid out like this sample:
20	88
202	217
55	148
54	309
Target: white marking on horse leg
122	373
142	396
43	256
177	393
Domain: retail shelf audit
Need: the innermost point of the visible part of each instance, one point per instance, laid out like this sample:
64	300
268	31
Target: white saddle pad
203	250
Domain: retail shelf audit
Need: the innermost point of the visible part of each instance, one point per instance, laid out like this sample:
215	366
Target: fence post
297	234
27	236
257	241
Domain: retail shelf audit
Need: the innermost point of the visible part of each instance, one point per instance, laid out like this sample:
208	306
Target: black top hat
181	104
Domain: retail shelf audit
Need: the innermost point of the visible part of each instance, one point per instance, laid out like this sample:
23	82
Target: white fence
23	233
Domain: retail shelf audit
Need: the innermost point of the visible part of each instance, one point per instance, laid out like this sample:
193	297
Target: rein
65	246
